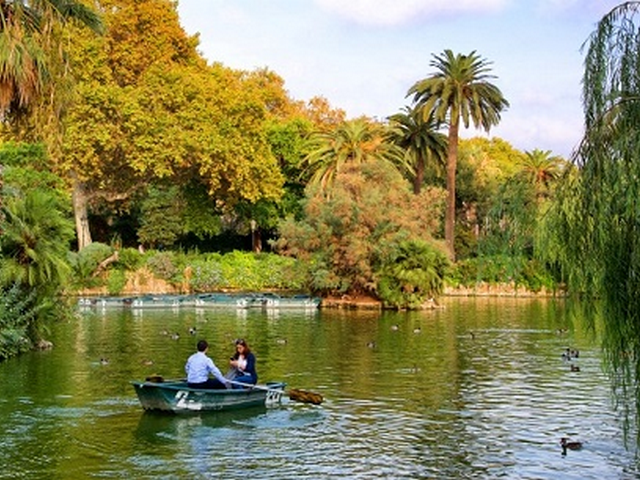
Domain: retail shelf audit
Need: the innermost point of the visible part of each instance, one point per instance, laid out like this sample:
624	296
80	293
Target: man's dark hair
202	345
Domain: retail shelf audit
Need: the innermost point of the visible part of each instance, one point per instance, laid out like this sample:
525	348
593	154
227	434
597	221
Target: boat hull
160	301
273	301
222	301
177	397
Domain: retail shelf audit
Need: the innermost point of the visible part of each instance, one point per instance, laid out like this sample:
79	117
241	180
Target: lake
477	389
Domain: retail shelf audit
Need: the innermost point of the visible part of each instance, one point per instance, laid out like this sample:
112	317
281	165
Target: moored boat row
207	300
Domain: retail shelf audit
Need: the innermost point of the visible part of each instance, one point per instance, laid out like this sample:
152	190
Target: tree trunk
81	214
256	240
419	179
450	216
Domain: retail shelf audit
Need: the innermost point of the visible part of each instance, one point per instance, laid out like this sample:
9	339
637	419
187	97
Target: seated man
198	368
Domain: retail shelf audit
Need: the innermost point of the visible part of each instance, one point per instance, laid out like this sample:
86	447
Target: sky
364	55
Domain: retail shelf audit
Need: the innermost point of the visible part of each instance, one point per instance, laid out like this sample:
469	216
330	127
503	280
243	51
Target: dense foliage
356	227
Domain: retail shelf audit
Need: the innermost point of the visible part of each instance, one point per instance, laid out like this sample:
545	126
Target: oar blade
305	397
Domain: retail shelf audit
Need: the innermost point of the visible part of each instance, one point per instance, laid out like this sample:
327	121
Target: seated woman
243	362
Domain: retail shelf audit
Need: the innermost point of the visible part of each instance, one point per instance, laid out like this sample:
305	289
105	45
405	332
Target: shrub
367	208
130	259
411	273
85	262
116	281
206	275
497	269
163	266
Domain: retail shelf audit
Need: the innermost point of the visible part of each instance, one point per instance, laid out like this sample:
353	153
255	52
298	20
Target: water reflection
478	389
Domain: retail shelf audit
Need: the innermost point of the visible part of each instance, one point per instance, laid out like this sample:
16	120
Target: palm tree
353	142
34	244
540	169
33	257
459	91
28	44
420	140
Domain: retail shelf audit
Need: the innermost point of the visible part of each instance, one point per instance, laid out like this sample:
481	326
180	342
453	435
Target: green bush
412	272
163	265
206	275
85	262
130	259
240	270
245	271
280	272
116	280
497	269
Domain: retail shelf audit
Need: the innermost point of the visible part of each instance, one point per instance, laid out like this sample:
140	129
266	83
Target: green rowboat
177	397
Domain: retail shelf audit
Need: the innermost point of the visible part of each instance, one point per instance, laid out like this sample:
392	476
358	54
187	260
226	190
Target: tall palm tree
459	91
353	142
421	140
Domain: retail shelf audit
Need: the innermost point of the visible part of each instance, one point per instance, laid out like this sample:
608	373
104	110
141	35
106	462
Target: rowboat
273	300
160	301
221	300
175	396
105	302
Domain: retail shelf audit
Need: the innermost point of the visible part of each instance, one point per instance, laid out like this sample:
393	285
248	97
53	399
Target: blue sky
363	55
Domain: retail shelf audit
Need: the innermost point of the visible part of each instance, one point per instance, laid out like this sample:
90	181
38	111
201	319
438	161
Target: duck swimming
567	445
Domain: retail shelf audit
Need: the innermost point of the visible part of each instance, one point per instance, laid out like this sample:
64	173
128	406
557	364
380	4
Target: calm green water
475	390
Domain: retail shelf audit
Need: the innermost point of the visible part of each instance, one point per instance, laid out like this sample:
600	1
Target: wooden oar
294	394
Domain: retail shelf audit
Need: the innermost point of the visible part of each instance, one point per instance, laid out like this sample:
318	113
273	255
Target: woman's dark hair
241	341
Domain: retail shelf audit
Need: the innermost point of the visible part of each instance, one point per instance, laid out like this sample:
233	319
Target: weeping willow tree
594	228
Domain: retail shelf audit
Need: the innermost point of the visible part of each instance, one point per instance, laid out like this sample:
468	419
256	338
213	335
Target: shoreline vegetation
366	302
107	271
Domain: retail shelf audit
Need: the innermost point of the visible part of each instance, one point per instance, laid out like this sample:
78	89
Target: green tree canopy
139	119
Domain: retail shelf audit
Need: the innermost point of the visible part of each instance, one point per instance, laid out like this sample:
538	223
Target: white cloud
588	7
394	12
